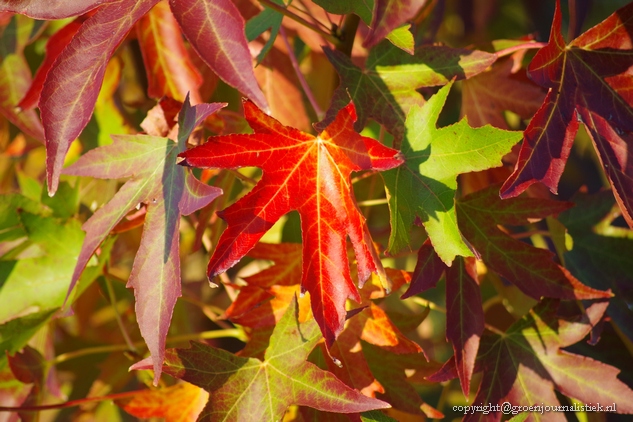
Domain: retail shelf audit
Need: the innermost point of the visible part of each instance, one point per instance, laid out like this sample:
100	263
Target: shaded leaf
53	9
15	79
589	81
362	8
425	186
240	386
216	31
389	15
464	318
168	191
531	269
311	175
525	364
257	25
72	84
428	270
597	257
170	71
14	334
385	89
487	95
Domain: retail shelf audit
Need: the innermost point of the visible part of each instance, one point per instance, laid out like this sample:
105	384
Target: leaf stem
372	202
205	335
284	11
302	80
427	303
117	316
526	46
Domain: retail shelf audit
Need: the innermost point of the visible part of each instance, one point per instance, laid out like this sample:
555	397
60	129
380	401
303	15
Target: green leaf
14	334
39	280
267	19
386	88
425	185
241	387
362	8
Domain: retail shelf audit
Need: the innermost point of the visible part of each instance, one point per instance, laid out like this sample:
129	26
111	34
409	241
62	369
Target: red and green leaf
526	364
240	387
168	191
589	81
72	84
386	88
425	186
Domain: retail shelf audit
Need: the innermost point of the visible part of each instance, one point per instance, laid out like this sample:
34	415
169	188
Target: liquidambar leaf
242	387
425	186
531	269
72	85
589	80
170	71
311	175
525	364
385	89
50	9
168	191
388	15
215	30
182	402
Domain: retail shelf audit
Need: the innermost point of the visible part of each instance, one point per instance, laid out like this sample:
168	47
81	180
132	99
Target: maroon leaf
427	272
589	81
72	85
464	317
531	269
215	29
50	9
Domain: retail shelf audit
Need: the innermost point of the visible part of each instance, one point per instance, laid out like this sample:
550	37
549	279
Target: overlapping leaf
311	175
72	84
597	255
425	186
464	311
385	89
525	364
243	387
50	9
589	80
388	15
15	76
181	402
170	71
487	95
531	269
168	191
216	31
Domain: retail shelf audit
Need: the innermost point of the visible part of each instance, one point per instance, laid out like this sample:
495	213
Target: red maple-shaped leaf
310	174
589	80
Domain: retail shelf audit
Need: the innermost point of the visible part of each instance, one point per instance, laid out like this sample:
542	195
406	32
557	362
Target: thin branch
271	5
70	403
205	335
302	79
117	316
372	202
526	46
427	303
